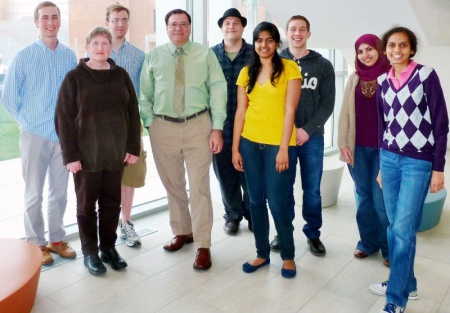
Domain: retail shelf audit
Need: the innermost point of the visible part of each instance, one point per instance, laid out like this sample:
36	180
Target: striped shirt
31	86
131	58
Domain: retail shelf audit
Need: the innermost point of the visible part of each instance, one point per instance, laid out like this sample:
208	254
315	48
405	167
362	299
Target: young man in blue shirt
131	58
30	92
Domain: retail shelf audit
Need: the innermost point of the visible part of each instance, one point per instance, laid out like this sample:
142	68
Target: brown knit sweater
347	121
97	117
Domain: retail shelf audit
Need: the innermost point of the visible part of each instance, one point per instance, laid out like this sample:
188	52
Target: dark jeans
370	212
232	186
310	156
103	187
264	183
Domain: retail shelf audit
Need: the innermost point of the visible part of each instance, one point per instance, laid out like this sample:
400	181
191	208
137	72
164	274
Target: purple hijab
381	66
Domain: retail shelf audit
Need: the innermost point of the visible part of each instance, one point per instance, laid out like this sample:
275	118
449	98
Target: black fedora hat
232	12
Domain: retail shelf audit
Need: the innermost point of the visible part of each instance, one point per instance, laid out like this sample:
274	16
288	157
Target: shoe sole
48	262
188	241
202	268
95	273
230	232
133	243
318	254
384	295
66	257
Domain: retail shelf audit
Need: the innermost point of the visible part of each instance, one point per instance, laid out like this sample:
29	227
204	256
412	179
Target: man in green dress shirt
190	137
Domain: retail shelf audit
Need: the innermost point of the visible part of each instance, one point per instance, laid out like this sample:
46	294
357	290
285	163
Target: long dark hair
255	62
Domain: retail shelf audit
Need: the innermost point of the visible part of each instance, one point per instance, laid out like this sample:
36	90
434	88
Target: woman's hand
237	161
437	181
346	155
379	179
74	167
130	159
282	161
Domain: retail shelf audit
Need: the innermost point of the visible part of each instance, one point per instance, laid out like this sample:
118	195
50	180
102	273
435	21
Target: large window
147	29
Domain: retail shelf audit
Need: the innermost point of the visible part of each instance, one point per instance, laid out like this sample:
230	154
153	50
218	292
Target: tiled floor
159	281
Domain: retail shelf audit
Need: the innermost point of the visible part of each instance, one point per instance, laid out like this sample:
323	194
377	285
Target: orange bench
20	267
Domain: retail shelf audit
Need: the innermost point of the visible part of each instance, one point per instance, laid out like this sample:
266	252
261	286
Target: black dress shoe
231	227
111	256
275	244
94	264
316	247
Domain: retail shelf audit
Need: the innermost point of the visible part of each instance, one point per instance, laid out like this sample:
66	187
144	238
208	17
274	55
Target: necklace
368	88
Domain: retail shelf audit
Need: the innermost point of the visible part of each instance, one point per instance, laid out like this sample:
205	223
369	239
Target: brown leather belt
181	119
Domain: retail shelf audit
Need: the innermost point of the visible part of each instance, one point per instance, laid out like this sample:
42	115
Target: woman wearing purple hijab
358	144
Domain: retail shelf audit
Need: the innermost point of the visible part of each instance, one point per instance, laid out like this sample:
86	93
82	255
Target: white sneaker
129	234
380	290
392	308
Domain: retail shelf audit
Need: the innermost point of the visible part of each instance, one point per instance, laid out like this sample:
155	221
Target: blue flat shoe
288	273
248	268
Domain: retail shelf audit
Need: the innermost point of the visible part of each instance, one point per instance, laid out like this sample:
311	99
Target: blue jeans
310	156
264	183
405	185
235	200
370	212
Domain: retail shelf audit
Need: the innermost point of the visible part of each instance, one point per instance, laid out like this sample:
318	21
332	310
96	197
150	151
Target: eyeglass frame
124	21
174	25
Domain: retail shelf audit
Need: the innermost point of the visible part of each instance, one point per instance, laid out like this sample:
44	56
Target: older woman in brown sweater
97	121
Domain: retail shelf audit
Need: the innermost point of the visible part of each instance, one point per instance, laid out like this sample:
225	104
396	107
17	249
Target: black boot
94	264
111	256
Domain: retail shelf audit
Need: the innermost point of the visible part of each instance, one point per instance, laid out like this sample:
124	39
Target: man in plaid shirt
233	54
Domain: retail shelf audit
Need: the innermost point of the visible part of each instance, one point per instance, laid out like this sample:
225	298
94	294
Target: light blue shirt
31	86
131	59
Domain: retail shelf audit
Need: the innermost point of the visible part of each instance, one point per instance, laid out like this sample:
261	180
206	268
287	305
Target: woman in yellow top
264	141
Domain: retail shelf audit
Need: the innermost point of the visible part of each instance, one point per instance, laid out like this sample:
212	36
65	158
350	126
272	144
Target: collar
406	72
41	44
125	44
244	46
299	59
173	49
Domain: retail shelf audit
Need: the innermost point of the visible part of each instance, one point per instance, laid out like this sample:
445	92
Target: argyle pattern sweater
413	119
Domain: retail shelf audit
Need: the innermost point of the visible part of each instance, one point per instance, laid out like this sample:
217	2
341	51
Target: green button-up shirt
204	82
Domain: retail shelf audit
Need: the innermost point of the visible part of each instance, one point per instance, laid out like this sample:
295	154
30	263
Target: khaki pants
173	146
41	160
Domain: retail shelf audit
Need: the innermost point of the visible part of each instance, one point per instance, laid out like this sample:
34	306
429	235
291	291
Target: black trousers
232	186
103	187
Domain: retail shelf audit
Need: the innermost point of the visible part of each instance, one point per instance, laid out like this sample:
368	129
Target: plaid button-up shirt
231	70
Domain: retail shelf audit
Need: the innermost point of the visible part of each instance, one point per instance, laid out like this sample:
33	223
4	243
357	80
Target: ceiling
336	24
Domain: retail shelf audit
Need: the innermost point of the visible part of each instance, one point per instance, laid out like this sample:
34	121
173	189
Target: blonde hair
98	31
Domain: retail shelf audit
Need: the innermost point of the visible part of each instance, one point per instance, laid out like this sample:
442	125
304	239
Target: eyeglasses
124	21
183	25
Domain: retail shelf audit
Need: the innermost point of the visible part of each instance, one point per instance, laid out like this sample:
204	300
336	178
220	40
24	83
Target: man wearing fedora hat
233	54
